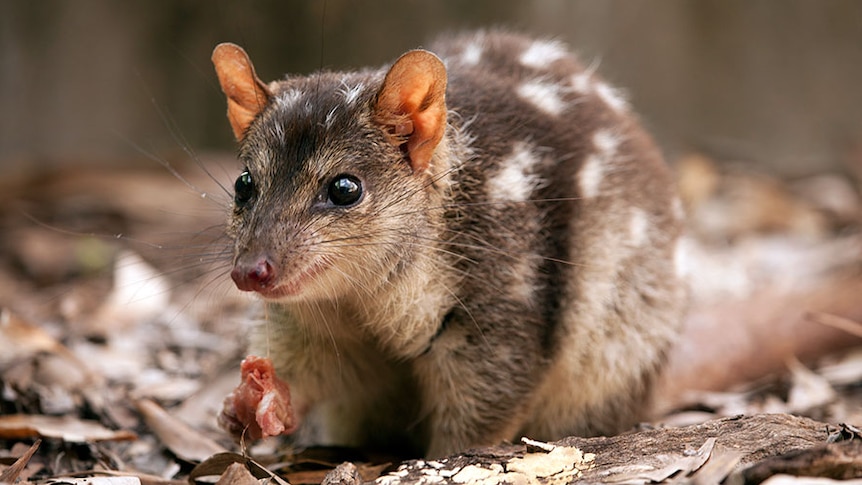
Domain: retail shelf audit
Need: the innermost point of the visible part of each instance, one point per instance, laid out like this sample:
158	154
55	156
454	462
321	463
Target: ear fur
411	105
246	94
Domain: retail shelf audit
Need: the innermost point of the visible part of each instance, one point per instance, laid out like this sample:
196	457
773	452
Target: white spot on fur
612	97
330	117
288	99
638	227
585	83
677	209
472	53
593	172
682	258
544	95
522	285
606	142
263	153
351	93
278	131
542	53
590	176
581	82
515	181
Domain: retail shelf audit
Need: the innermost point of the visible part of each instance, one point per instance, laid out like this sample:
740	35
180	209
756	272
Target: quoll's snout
253	276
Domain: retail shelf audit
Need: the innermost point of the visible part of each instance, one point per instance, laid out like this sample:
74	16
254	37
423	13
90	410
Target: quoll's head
338	170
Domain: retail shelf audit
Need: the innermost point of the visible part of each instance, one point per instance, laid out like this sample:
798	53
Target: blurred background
757	103
772	82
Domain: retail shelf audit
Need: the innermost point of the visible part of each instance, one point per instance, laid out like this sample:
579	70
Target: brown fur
520	281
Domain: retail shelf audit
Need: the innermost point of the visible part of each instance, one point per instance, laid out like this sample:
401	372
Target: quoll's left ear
411	105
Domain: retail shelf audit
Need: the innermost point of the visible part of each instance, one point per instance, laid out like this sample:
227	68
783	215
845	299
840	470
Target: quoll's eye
243	188
345	190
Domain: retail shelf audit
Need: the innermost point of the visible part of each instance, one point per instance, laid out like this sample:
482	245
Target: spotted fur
527	281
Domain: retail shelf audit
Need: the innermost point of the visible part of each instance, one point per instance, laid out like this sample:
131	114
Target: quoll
457	249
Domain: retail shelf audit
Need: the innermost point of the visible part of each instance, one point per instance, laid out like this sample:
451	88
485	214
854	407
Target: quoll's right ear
246	94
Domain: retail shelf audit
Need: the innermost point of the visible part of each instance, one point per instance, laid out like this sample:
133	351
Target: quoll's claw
260	405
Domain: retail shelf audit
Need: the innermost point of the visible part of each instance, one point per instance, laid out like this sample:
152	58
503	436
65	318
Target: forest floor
121	334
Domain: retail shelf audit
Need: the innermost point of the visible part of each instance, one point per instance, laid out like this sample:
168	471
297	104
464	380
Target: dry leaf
792	480
126	480
184	441
217	464
237	474
684	464
20	338
67	428
140	292
717	468
10	474
809	390
145	479
367	472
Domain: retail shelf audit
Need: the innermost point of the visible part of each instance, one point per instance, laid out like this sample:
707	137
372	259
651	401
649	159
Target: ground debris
11	474
66	428
840	461
709	452
185	442
104	339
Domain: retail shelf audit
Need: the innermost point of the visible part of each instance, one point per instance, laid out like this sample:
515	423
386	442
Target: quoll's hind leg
476	386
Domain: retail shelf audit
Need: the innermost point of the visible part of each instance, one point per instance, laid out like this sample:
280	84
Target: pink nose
253	277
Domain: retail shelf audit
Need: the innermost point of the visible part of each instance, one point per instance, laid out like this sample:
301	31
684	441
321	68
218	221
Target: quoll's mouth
296	284
264	279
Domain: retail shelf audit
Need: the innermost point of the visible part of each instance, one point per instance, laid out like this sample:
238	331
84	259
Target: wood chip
344	474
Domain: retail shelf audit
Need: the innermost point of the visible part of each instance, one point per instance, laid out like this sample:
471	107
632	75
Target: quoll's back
454	253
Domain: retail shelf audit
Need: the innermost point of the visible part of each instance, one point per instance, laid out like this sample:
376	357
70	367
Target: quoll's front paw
260	405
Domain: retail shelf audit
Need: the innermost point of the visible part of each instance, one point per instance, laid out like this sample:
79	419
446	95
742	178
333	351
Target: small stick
845	324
